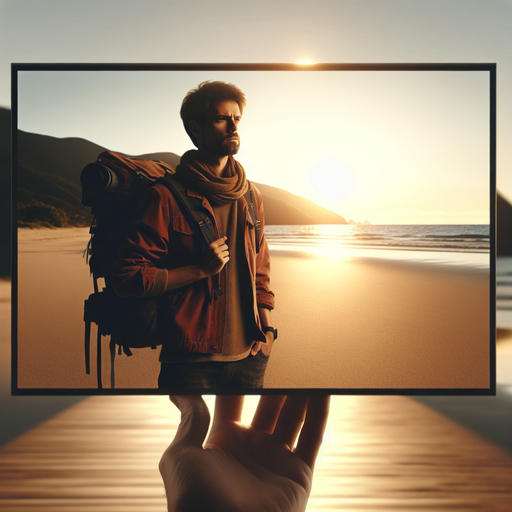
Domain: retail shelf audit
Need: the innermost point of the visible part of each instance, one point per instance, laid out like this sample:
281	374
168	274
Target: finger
195	419
256	348
290	419
219	242
313	430
228	408
267	412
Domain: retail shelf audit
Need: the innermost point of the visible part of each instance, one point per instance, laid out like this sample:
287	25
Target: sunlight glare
332	180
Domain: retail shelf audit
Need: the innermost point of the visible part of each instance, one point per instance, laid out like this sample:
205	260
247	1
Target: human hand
266	348
215	256
244	468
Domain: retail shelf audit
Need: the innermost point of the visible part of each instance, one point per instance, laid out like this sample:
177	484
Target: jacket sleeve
141	271
264	296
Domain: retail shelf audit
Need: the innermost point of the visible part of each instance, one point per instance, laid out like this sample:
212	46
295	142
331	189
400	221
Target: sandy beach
374	323
352	322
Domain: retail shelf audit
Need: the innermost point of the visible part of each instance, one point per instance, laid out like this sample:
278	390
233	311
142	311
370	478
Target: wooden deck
379	453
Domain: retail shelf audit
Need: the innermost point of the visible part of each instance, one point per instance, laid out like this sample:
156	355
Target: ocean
443	244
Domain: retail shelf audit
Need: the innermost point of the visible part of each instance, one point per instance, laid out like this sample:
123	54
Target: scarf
203	179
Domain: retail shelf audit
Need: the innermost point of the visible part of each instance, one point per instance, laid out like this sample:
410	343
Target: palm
249	468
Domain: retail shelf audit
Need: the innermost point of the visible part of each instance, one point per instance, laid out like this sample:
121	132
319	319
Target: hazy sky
410	148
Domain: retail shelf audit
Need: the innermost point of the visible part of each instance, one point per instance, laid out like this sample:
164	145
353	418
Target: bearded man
218	303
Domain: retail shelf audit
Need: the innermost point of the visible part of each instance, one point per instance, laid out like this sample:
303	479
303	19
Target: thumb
195	420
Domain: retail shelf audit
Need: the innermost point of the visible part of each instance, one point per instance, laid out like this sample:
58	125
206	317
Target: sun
332	180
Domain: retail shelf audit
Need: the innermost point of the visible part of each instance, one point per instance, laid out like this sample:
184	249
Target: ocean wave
442	238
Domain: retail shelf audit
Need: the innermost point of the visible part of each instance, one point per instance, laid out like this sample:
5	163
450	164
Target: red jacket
160	238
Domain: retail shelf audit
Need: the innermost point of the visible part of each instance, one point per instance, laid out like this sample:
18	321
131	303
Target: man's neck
219	163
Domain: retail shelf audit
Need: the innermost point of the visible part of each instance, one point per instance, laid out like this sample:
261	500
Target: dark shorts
246	373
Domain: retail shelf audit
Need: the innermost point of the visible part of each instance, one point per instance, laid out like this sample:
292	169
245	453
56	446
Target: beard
227	147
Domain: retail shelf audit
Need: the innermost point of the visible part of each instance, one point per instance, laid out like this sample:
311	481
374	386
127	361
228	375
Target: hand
215	256
266	348
244	468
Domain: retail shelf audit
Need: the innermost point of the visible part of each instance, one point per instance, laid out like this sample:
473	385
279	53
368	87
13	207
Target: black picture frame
489	68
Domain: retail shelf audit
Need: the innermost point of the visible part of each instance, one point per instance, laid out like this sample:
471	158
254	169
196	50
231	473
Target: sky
388	147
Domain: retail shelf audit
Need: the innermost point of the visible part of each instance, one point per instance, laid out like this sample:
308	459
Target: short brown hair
197	102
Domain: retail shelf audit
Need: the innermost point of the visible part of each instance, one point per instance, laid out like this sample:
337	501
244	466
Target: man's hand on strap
215	256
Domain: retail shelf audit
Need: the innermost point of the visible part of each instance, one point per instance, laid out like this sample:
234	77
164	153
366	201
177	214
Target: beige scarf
203	179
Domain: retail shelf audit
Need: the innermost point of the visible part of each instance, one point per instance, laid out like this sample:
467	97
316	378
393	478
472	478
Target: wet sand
343	323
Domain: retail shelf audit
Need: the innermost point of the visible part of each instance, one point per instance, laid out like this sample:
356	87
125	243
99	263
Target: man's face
219	134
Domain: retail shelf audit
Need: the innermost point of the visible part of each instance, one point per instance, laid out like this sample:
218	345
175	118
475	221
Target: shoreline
440	257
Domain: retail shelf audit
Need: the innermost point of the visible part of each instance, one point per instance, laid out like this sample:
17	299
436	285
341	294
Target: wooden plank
379	453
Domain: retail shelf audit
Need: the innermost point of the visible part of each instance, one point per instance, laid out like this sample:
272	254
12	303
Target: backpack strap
191	206
249	197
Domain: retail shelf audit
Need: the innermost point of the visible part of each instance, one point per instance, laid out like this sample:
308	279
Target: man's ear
194	127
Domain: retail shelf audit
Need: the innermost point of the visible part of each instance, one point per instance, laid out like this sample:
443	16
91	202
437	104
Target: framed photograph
378	186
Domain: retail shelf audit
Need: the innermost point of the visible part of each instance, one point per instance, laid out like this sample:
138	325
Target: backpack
113	186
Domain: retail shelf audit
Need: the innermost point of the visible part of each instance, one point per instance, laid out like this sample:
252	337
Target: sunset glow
379	146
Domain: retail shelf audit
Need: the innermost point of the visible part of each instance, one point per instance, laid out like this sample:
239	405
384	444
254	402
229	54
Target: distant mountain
351	221
282	207
49	172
